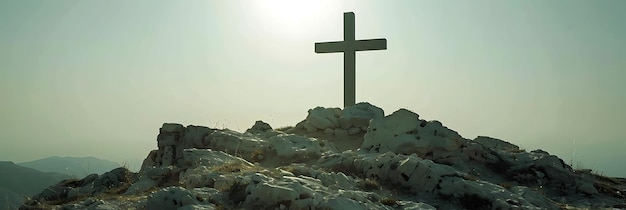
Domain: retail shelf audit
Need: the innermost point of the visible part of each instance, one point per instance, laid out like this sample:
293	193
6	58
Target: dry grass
506	185
369	184
284	129
470	177
235	167
257	156
389	201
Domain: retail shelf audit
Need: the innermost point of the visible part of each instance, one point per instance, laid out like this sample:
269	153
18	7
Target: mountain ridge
18	182
75	166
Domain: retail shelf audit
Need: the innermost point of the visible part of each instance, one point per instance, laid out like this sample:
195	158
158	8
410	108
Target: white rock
194	137
495	143
141	186
339	180
409	205
171	198
322	118
290	146
267	191
210	158
198	207
359	115
235	143
172	128
403	133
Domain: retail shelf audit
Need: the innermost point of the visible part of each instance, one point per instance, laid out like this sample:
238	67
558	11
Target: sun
289	17
289	10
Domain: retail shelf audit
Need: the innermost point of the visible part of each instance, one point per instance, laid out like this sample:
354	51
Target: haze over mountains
78	167
21	180
18	181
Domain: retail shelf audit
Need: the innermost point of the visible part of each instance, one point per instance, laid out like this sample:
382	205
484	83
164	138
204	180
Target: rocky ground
356	158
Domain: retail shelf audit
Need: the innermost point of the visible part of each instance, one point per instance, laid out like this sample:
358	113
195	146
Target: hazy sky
98	78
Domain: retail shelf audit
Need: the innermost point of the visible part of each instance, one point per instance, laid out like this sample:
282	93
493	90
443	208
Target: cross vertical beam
349	61
349	46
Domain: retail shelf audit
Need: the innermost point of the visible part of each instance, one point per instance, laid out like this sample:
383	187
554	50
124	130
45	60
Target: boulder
360	115
141	186
172	198
259	127
322	118
495	144
403	132
294	147
425	176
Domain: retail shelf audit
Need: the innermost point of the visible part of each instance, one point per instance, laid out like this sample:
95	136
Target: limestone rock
210	158
495	144
322	118
360	115
91	185
141	186
259	127
171	128
403	132
353	120
289	146
403	163
425	176
171	198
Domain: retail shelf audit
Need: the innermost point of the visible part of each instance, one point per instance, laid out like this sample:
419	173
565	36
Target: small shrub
257	156
470	177
389	201
232	167
283	129
369	184
505	185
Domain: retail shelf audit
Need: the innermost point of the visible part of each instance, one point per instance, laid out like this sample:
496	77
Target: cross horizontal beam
357	45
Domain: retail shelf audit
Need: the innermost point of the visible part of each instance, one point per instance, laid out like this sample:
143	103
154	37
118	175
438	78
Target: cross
349	46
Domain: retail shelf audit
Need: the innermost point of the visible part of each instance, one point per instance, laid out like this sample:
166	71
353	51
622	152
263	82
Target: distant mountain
76	166
16	182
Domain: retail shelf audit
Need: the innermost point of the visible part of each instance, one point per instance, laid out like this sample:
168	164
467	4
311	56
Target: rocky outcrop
404	133
92	185
333	121
403	162
259	127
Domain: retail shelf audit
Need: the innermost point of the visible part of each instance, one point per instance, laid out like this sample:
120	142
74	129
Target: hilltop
353	158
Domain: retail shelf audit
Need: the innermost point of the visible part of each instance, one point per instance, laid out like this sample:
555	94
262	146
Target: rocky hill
356	158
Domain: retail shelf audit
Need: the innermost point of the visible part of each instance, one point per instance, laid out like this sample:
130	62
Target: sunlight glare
289	18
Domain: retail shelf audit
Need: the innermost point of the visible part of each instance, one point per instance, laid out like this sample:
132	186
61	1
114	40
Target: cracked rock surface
355	158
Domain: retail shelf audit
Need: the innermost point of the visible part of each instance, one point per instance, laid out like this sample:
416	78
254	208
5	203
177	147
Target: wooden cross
349	46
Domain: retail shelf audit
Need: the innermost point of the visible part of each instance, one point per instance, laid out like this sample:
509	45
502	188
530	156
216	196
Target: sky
99	78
